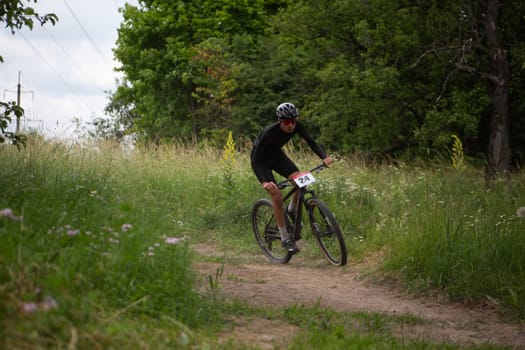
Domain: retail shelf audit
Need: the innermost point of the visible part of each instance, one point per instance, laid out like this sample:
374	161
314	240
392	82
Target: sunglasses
288	122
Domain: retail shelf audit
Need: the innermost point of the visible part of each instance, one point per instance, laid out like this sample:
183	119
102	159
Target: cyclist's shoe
290	246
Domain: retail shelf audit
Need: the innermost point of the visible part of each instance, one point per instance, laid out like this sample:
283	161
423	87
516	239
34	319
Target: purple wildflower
73	232
8	213
29	308
173	240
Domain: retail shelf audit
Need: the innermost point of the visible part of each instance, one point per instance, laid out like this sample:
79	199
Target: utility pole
18	93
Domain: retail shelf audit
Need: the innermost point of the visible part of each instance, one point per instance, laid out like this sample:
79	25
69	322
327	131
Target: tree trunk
498	151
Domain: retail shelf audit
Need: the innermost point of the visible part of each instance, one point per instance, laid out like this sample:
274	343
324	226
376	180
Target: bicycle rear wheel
327	232
266	232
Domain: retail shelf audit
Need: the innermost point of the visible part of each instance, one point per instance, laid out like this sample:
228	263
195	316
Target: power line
66	53
61	47
56	72
85	31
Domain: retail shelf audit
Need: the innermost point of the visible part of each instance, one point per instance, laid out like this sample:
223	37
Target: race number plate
304	179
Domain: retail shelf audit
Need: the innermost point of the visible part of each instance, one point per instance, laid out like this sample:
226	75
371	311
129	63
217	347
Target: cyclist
267	156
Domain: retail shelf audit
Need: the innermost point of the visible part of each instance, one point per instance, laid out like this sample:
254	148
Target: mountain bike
323	224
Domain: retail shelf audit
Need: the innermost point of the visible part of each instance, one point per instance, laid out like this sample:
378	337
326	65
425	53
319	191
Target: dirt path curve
344	289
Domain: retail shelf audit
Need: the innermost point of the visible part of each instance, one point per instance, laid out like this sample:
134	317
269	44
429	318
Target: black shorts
279	163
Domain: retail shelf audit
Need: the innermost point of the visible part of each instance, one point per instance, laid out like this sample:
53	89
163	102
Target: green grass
97	250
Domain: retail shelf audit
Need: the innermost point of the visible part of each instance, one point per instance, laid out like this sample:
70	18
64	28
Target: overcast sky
66	69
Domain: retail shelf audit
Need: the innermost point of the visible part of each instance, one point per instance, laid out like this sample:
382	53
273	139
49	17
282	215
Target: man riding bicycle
267	156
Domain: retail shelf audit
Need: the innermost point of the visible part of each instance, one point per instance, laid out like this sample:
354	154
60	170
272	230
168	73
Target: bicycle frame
302	200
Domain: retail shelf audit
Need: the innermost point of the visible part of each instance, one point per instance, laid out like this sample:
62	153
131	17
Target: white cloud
65	69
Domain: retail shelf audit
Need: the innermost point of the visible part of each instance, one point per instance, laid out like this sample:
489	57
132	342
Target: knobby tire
327	232
266	232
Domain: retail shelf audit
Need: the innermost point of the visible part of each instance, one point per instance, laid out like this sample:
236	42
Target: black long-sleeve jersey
272	139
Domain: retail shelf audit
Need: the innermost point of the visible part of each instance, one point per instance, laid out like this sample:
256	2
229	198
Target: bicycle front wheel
266	232
327	232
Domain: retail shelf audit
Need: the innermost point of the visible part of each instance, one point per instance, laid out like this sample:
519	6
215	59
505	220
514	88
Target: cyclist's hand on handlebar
269	186
327	161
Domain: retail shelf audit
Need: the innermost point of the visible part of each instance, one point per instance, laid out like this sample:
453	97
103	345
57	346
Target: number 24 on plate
304	179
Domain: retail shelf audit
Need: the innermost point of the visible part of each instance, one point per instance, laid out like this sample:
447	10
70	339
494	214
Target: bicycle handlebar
288	182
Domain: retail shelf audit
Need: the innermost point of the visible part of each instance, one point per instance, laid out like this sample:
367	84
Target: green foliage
379	77
462	116
176	66
6	110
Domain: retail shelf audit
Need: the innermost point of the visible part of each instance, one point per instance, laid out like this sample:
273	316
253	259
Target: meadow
96	240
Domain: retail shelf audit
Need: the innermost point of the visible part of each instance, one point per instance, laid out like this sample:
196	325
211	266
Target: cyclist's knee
277	196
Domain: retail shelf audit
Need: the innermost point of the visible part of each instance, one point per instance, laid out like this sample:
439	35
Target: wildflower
126	227
48	304
228	156
173	240
29	308
72	232
457	156
8	213
521	212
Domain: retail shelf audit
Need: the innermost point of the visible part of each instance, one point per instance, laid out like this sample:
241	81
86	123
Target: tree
174	57
388	74
390	78
16	15
481	35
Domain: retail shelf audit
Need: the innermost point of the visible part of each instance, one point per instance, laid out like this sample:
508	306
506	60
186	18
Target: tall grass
94	228
96	246
464	236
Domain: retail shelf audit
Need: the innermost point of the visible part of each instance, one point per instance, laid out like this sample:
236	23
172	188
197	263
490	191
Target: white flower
126	227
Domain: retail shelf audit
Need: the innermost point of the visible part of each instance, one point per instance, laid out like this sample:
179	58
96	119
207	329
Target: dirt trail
344	289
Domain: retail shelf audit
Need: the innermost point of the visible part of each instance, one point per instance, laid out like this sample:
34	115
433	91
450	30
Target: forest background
381	78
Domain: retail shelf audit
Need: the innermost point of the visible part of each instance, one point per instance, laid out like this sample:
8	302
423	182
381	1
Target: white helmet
286	110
